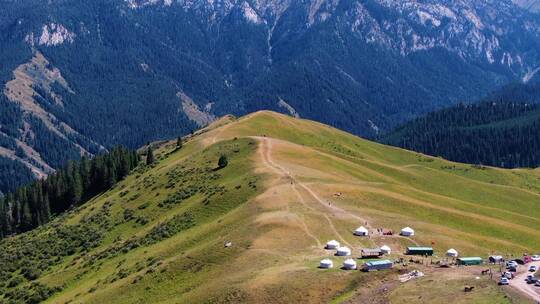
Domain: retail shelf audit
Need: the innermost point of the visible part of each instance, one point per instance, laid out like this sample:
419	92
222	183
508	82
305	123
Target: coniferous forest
33	205
502	134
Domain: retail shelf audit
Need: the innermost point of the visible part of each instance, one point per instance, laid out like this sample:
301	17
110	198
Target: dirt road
521	285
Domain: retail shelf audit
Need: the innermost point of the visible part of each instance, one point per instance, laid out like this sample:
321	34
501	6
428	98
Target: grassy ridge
159	235
501	206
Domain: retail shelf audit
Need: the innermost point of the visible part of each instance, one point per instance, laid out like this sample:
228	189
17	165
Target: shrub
30	273
223	161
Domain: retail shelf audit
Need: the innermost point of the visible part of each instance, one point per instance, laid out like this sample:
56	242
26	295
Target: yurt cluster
374	254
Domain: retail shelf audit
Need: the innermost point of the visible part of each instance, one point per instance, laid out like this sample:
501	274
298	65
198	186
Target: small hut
386	250
419	251
371	253
495	259
470	261
349	264
361	231
378	265
326	263
452	253
407	231
333	244
343	251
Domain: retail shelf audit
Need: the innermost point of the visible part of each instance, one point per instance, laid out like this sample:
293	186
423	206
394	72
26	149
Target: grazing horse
468	288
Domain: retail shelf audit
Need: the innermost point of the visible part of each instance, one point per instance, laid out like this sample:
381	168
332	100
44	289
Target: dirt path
266	150
266	156
521	285
330	223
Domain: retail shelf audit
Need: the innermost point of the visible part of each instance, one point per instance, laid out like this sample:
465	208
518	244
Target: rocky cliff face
531	5
474	30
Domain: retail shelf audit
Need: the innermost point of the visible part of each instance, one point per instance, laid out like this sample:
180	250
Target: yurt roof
326	261
362	228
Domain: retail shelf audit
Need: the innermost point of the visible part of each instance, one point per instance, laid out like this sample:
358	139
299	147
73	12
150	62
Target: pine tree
150	156
75	184
84	169
179	143
26	217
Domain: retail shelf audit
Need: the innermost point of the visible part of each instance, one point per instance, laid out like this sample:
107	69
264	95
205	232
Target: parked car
512	269
509	275
537	283
531	279
504	281
533	268
536	257
513	264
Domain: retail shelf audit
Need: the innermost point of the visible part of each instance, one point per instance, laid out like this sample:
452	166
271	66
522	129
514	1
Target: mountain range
79	77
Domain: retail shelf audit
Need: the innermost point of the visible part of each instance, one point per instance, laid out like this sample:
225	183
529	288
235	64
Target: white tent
452	253
361	231
349	264
343	251
407	231
326	263
385	249
333	244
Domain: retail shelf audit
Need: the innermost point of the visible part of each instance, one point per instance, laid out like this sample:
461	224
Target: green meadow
184	230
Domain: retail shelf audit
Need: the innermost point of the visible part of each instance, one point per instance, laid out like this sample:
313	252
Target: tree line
501	134
33	205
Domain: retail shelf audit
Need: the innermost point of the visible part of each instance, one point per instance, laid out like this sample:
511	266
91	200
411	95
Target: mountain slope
517	92
533	5
496	133
290	186
87	75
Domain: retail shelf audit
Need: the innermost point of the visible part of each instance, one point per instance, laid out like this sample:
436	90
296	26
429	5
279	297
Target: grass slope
159	235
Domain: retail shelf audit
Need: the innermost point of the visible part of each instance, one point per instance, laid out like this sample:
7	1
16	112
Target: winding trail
266	155
330	223
267	158
265	150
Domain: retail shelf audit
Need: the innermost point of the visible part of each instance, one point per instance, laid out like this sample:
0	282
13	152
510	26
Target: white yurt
452	253
407	231
361	231
349	264
326	263
343	251
385	249
333	244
